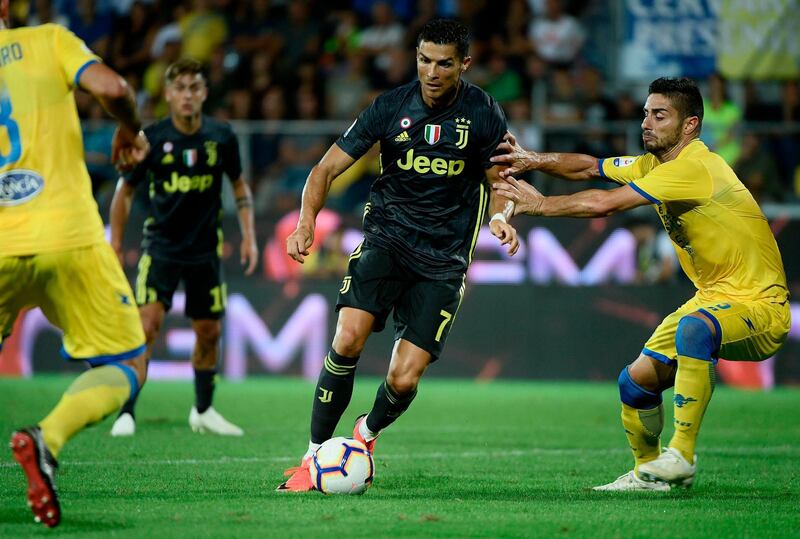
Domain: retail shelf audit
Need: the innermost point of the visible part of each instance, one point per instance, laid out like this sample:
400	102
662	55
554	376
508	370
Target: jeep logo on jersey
437	165
433	133
19	186
184	184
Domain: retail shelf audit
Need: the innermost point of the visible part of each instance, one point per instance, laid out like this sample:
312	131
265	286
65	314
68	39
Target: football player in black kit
421	224
183	235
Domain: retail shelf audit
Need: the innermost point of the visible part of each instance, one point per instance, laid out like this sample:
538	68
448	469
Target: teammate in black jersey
421	224
182	235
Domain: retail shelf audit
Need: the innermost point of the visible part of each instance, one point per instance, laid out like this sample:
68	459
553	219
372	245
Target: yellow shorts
84	292
746	330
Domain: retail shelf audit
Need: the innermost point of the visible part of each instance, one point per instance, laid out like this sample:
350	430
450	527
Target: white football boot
630	482
125	425
211	421
670	467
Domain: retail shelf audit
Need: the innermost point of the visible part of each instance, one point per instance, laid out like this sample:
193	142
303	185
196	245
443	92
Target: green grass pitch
500	459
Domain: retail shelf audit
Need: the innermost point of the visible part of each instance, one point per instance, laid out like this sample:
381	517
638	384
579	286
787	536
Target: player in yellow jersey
52	250
725	246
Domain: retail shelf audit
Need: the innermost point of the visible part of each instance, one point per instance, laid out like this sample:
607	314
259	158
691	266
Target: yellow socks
694	384
91	397
643	429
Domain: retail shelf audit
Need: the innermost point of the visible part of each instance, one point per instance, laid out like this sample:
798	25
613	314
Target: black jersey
430	199
184	177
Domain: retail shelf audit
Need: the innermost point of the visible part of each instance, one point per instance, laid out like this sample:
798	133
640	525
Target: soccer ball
342	466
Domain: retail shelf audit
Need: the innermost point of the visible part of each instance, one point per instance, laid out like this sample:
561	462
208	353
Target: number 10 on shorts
446	318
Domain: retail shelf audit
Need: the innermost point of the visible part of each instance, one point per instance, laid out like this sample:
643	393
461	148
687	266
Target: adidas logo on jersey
402	137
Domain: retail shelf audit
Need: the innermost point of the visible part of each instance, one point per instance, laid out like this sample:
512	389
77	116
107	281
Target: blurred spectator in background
597	107
757	169
504	84
298	153
165	51
265	148
344	39
557	38
132	40
755	108
299	38
43	12
656	261
253	28
347	88
401	71
219	81
381	36
788	145
277	59
93	25
562	104
401	8
512	41
721	119
202	30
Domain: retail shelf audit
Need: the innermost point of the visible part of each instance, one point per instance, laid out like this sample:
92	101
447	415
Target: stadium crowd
279	60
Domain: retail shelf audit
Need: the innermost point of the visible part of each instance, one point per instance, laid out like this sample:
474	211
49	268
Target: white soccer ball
342	466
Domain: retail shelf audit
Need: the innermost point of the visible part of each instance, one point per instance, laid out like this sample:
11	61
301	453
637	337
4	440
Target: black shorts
423	308
206	291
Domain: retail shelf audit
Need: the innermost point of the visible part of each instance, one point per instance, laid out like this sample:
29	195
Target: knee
694	338
402	384
208	332
348	342
139	367
634	395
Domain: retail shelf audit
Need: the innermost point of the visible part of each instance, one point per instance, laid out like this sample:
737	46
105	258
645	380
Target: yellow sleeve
72	54
676	181
625	169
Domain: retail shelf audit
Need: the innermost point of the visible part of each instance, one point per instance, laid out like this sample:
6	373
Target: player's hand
527	198
248	254
298	242
513	155
128	149
507	235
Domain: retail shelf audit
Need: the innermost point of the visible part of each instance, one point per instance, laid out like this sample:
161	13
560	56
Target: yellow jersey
724	242
46	201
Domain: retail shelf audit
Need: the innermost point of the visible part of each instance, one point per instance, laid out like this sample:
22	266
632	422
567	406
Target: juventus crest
462	130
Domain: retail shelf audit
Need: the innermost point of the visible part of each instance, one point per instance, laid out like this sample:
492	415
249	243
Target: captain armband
244	202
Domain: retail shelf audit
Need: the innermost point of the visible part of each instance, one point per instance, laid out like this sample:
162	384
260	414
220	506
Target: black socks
334	389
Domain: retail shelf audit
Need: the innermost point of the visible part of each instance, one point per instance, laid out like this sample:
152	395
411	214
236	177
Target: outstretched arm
248	250
333	163
570	166
589	203
129	145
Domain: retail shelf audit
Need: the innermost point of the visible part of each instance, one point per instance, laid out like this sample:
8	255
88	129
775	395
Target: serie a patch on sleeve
624	161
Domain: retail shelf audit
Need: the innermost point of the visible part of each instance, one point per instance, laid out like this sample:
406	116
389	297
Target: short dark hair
184	66
446	32
683	93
